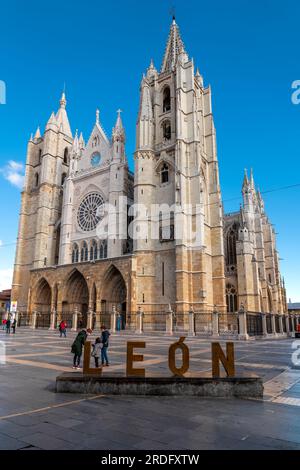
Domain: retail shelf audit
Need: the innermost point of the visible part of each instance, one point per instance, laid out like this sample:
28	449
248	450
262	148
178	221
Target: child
97	351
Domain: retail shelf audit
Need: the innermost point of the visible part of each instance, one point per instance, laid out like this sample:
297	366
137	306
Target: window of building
166	228
40	155
36	180
164	173
63	177
166	100
75	253
84	252
103	249
93	251
231	240
167	130
270	278
66	154
231	298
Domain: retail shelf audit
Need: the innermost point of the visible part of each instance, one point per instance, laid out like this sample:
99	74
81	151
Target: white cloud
5	278
1	242
14	173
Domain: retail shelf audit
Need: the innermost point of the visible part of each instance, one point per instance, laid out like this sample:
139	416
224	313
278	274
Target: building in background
5	298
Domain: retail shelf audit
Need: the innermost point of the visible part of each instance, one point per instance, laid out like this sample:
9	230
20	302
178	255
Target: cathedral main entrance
114	294
77	297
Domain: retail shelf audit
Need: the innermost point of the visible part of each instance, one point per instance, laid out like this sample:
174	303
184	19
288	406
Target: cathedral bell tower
47	165
176	168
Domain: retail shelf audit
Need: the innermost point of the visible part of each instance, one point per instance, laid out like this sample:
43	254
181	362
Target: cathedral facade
94	236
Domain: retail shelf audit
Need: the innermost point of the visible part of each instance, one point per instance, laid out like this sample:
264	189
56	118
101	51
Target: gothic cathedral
144	257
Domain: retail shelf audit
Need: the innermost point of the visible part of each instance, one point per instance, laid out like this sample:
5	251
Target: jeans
96	361
76	361
63	332
104	357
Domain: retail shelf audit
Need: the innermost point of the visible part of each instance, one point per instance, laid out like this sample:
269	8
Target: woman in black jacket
78	345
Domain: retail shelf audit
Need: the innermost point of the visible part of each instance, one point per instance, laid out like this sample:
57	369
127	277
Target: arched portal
77	297
42	297
42	303
114	293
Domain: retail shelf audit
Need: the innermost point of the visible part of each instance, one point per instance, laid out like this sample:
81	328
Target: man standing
105	334
8	326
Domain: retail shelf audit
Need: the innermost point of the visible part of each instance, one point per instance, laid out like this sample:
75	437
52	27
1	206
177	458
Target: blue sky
247	50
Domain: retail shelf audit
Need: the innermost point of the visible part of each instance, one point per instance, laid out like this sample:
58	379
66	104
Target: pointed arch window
231	298
66	154
94	251
63	177
166	130
164	173
103	249
84	252
166	100
40	155
231	240
36	180
75	253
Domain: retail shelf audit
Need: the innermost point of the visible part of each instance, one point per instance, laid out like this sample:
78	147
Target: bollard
287	323
140	315
215	323
281	324
74	320
264	324
169	321
242	318
90	320
273	325
191	322
52	320
113	319
34	318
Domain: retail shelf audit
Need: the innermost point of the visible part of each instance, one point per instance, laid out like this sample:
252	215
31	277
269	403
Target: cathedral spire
62	117
118	139
174	48
118	130
76	147
81	141
51	122
245	186
37	134
63	101
252	184
146	110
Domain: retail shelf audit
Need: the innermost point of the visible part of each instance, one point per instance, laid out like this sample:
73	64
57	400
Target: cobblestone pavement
33	416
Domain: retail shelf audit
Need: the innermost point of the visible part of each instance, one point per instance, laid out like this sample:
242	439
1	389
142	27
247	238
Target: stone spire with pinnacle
118	139
62	117
174	48
246	184
118	130
37	134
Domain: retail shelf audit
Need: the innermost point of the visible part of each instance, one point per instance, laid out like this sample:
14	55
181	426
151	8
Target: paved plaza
33	416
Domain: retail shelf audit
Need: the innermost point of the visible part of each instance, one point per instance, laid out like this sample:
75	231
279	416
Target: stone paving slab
33	417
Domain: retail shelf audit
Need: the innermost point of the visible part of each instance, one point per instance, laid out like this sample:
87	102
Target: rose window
89	213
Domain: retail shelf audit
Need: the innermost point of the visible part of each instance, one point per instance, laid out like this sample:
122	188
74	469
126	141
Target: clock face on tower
95	159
